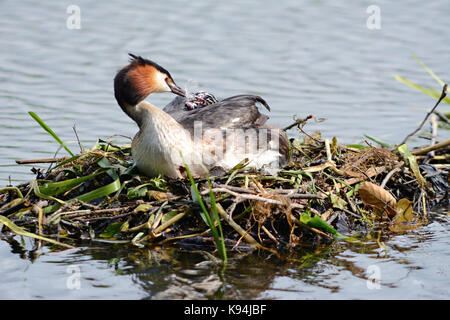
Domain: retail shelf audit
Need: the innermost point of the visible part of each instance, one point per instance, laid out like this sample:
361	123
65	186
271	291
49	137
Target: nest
326	191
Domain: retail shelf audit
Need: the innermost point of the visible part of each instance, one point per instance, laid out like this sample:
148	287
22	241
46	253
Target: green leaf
100	192
50	131
111	230
137	192
438	93
143	208
380	142
35	186
169	215
318	223
338	202
411	160
66	161
95	194
56	188
415	86
439	81
357	146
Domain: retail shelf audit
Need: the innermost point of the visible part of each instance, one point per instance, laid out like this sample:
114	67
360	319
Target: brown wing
234	112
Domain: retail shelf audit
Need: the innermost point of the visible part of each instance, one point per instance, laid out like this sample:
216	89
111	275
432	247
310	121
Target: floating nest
326	191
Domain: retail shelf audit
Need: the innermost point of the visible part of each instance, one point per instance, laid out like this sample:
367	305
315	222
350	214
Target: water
308	57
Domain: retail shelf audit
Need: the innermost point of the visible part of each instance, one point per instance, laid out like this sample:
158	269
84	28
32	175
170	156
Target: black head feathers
142	61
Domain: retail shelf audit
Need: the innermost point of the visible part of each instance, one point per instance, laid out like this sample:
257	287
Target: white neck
156	148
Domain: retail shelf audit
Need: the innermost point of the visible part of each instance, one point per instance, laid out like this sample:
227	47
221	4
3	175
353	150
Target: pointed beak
176	89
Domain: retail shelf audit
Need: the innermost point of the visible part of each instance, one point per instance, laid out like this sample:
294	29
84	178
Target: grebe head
141	77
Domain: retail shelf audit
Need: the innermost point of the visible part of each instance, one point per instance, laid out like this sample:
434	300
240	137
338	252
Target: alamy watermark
373	277
73	21
226	145
73	282
374	20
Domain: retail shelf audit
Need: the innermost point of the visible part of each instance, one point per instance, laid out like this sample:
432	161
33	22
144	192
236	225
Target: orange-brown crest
142	77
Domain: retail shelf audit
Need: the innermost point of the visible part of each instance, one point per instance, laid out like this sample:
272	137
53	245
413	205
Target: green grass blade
318	223
357	146
380	142
221	247
206	216
95	194
441	83
50	131
415	86
17	190
100	192
438	93
35	186
411	160
56	188
66	162
20	231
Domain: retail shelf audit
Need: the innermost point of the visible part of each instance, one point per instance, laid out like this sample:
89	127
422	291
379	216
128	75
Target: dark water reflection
406	269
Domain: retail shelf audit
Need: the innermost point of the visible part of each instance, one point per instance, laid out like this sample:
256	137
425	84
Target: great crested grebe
217	134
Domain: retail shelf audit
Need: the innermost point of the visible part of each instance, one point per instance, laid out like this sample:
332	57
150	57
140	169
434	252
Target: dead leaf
404	211
157	195
406	219
375	196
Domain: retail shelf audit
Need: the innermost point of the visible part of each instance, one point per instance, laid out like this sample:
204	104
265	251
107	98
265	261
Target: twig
254	197
81	213
304	196
388	176
370	173
288	193
43	160
297	122
78	139
441	116
169	222
21	203
443	95
271	236
311	137
439	145
328	150
237	227
105	218
232	188
434	130
120	135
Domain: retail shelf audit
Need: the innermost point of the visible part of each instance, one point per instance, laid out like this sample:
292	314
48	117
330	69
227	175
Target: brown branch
443	95
43	160
78	139
297	122
255	197
436	146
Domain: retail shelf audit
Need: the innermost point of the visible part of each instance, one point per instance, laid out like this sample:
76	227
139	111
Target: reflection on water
309	57
336	271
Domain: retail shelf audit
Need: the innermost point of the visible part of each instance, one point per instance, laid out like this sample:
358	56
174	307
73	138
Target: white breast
162	146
